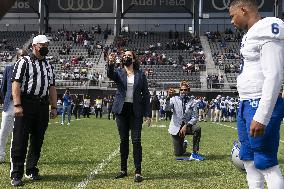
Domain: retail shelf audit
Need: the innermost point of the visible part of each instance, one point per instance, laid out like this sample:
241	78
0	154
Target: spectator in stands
209	81
221	81
74	61
66	107
132	102
68	49
180	59
8	105
183	123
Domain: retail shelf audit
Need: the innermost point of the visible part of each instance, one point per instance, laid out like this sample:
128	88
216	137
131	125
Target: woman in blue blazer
131	104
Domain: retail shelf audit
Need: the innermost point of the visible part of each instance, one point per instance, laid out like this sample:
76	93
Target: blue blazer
141	95
6	87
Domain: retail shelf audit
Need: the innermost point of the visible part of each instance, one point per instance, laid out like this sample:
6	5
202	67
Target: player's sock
254	176
273	177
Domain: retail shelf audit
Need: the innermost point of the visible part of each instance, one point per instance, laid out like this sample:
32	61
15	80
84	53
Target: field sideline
85	155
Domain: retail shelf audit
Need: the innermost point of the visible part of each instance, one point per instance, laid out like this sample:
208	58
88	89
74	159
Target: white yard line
234	128
83	184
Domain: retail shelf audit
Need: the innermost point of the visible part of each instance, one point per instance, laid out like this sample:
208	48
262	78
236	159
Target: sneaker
138	178
2	159
34	176
68	123
61	123
121	174
16	182
186	143
196	156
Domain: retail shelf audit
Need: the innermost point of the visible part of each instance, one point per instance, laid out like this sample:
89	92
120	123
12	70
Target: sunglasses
183	89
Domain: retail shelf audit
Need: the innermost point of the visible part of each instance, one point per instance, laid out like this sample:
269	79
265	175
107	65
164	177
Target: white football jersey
250	80
261	69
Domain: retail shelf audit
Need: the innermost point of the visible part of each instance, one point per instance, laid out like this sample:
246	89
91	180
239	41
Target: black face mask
127	62
43	51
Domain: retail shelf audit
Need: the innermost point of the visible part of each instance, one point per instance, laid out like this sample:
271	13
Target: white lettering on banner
21	5
158	2
80	5
226	4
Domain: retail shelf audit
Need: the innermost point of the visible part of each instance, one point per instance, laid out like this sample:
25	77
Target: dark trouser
86	111
33	125
178	142
76	111
110	112
127	121
97	110
169	115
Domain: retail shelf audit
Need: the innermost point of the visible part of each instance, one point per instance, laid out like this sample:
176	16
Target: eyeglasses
183	89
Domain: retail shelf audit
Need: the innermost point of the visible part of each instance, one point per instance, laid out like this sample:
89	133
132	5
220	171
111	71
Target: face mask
43	51
127	62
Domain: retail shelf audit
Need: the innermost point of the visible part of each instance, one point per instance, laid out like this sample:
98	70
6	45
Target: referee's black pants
32	125
126	121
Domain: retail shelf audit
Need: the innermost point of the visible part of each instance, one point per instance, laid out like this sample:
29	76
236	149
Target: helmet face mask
237	162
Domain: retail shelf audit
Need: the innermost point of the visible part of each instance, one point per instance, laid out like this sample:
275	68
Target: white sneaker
68	123
2	159
186	143
61	123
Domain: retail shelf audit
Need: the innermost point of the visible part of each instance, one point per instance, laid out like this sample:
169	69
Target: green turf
70	154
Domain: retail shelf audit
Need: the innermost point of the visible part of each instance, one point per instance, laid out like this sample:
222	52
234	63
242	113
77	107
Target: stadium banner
65	6
158	6
22	6
218	6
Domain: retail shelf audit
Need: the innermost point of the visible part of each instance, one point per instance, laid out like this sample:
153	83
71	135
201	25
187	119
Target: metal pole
46	16
196	17
41	16
118	17
278	8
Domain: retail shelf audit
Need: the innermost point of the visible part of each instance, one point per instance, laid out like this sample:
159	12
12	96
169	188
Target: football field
86	155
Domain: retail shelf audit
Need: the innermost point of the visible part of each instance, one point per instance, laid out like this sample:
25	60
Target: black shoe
121	174
33	176
17	182
138	178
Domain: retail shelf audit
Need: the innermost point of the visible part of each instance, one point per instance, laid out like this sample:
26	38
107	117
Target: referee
33	89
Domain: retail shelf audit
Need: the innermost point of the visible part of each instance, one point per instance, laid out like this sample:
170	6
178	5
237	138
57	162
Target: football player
259	82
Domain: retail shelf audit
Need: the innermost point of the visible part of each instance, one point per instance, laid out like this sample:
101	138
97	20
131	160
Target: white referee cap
40	39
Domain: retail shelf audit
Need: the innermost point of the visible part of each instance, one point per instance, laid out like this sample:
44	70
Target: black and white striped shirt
35	76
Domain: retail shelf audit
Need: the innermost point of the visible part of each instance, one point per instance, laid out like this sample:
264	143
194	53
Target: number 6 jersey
261	68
